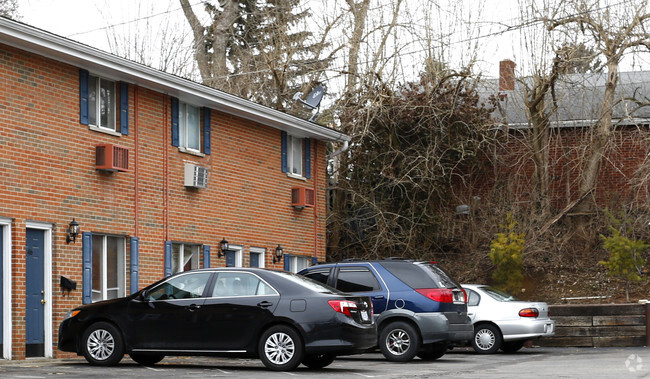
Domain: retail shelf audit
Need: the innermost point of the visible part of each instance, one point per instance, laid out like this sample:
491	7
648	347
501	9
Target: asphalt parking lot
458	363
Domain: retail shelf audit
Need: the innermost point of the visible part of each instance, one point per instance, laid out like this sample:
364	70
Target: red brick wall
47	174
568	150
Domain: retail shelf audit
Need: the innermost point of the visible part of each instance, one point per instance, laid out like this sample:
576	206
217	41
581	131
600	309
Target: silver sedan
503	322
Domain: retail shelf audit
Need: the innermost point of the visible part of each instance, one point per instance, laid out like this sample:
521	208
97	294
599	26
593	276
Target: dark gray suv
419	308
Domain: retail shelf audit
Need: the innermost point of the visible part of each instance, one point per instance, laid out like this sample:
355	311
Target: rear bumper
525	329
436	327
341	339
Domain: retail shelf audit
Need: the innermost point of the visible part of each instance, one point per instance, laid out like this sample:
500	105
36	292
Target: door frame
47	278
5	317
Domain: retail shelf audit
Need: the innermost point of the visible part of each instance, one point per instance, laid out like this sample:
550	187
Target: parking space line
365	376
153	369
224	371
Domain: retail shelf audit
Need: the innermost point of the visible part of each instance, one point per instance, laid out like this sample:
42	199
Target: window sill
104	130
296	176
192	152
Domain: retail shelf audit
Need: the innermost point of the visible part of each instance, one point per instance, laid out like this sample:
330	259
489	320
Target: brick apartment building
156	170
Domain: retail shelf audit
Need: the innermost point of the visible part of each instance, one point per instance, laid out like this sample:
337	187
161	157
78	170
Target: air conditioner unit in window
109	157
195	176
302	197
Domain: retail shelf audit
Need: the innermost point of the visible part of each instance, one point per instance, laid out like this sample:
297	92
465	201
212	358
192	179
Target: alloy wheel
279	348
100	344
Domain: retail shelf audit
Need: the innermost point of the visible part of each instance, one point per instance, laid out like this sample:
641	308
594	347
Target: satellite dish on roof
313	100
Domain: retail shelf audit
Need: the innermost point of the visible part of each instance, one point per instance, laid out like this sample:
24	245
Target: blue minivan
419	309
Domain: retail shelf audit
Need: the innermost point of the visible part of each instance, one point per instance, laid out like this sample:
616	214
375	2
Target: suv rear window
417	276
356	279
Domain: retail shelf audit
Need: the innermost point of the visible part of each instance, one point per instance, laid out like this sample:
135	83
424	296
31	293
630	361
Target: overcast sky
85	21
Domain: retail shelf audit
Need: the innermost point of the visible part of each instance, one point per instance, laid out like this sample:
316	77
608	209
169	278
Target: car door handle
378	297
193	307
264	304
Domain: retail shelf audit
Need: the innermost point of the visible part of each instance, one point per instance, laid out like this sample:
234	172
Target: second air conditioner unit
195	176
302	197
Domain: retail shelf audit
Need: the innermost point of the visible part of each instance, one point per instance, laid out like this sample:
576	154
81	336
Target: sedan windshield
498	294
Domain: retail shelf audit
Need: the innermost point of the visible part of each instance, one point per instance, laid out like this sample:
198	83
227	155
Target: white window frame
262	254
97	104
183	130
293	262
5	317
295	148
179	263
121	269
239	254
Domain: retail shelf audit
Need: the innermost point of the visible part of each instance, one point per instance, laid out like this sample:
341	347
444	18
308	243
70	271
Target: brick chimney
507	75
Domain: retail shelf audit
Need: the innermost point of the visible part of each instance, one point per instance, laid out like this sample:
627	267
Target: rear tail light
529	312
441	295
444	295
343	306
465	295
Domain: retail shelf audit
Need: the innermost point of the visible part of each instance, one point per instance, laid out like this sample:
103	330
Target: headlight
71	314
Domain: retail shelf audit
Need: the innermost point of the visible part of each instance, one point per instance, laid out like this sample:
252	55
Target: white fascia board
25	37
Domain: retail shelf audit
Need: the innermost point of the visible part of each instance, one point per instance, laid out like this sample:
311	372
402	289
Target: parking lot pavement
458	363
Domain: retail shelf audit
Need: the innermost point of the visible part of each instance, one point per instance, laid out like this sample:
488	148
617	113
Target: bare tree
614	30
156	40
9	8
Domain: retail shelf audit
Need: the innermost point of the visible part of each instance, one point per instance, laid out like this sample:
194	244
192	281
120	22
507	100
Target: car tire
433	351
102	344
280	348
316	361
512	347
399	341
146	359
487	339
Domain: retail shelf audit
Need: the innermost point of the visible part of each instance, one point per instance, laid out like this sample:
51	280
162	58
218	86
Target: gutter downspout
136	171
346	146
316	199
165	168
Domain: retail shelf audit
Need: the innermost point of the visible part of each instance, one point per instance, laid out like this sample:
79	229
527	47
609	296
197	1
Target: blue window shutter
83	97
307	158
124	108
168	258
87	273
283	144
135	263
206	256
314	261
174	121
206	131
287	262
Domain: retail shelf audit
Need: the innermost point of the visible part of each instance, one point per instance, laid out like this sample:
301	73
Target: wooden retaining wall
598	325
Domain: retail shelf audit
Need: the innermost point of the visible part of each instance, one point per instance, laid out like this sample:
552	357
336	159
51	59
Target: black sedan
282	318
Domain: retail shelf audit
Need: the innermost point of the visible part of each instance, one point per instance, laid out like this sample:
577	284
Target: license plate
364	316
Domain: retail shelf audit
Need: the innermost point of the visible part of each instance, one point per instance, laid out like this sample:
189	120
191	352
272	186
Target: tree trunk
601	135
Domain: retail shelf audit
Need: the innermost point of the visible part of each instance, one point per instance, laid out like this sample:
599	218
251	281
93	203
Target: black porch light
72	232
223	246
278	254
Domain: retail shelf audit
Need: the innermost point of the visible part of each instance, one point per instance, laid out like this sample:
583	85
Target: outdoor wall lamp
278	254
72	232
223	246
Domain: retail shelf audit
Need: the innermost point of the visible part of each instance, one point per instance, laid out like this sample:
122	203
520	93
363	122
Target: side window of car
319	275
229	284
472	298
357	279
186	286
